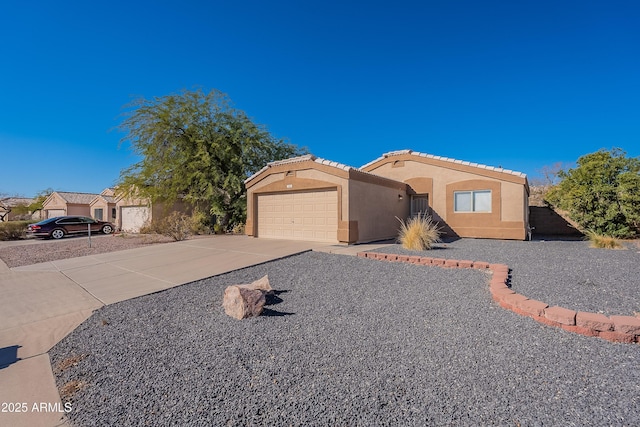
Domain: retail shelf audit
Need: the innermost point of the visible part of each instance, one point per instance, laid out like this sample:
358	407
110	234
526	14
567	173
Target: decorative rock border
623	329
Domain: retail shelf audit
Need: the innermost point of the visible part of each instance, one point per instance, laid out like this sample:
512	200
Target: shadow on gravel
273	313
273	300
8	355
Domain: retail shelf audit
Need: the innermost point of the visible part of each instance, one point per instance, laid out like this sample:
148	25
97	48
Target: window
97	214
420	205
113	213
472	201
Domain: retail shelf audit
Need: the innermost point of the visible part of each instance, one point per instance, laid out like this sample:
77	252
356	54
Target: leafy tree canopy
197	147
602	193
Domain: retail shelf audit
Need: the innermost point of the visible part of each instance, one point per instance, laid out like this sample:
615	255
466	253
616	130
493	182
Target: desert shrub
14	230
419	233
177	226
238	229
218	228
200	222
151	227
601	241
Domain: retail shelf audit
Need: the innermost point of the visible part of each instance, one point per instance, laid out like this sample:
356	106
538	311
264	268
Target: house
132	213
135	212
8	211
103	206
60	203
308	198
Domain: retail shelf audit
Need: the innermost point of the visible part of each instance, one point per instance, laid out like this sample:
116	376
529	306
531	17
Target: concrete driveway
40	304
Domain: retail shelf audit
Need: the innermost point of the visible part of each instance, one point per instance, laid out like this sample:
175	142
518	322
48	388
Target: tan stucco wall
54	202
374	209
367	204
508	218
83	210
106	209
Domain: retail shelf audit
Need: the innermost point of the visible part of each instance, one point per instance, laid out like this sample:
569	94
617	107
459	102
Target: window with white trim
97	214
472	201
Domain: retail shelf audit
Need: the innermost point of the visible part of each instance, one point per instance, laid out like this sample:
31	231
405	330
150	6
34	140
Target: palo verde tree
198	148
602	193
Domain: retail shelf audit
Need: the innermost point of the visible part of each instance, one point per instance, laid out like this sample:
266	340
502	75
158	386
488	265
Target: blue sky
521	84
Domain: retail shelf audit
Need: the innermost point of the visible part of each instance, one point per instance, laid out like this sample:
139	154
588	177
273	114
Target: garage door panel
134	218
52	213
309	215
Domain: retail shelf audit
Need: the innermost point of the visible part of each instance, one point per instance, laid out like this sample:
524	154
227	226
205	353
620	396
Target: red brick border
623	329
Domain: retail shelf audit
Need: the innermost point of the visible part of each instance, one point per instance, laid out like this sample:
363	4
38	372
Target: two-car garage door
309	215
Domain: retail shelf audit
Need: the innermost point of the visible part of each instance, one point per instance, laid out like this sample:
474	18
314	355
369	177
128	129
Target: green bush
200	222
602	193
14	230
419	233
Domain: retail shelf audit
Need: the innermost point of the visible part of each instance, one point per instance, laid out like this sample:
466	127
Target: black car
60	226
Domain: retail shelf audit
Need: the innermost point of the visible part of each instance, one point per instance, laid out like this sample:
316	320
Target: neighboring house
133	213
60	203
103	207
307	198
8	211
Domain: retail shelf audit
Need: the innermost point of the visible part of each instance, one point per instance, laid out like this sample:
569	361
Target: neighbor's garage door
311	215
134	217
52	213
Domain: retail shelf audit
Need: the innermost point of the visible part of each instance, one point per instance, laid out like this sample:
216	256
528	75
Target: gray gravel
566	273
353	342
33	251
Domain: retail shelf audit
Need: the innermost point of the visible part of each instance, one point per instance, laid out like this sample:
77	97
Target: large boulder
244	301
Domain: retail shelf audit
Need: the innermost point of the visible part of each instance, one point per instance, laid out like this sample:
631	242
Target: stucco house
8	211
103	206
60	203
308	198
134	212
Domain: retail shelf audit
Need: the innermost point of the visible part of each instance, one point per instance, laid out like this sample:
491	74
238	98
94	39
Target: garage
305	215
134	218
52	213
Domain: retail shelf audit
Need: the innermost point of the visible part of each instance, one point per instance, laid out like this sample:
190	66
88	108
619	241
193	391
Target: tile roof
299	159
445	159
15	201
77	198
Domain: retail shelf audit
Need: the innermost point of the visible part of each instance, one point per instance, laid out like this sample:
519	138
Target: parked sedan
61	226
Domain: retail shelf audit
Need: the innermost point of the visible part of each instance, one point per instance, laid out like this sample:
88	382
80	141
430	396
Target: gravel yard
33	251
569	274
352	342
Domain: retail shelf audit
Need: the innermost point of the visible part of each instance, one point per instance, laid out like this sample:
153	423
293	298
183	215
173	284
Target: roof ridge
446	159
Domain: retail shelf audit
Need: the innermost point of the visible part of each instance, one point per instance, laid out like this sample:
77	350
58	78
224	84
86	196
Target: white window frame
472	194
95	213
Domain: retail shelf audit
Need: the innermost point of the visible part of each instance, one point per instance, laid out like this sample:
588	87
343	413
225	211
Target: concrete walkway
40	304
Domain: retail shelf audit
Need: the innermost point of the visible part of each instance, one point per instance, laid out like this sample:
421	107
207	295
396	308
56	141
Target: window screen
472	201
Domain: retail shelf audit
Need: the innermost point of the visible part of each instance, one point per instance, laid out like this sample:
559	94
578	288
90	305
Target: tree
36	205
197	147
602	193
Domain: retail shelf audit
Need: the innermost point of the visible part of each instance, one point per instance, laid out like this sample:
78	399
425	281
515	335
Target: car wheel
58	233
107	229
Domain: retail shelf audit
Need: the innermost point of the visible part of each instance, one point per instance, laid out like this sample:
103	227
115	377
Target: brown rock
243	301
